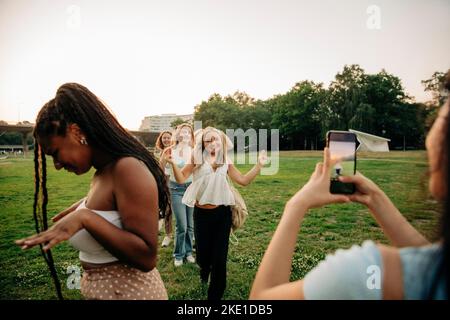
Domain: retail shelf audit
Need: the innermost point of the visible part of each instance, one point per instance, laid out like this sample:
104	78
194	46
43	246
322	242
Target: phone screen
342	147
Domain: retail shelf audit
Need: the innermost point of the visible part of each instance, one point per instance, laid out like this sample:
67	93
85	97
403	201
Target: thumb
356	178
357	197
340	198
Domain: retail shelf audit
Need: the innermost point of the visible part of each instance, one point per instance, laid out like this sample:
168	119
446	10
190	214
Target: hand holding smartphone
342	145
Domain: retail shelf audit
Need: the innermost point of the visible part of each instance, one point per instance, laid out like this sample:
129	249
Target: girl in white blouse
211	197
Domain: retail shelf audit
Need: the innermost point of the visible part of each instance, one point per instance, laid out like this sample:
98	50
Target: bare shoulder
130	168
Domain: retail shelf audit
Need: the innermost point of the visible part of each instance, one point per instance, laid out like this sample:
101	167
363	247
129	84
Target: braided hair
75	104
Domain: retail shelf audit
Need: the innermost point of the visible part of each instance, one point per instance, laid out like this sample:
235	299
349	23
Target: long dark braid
74	103
40	211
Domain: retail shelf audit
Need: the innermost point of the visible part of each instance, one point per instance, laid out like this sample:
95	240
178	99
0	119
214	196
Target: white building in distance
163	121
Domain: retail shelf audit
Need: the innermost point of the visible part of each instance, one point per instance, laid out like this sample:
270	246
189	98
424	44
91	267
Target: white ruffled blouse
209	187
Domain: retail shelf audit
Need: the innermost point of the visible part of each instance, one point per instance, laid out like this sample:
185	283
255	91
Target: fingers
35	240
262	157
357	178
51	244
22	241
317	170
340	198
359	198
328	162
319	167
326	158
167	154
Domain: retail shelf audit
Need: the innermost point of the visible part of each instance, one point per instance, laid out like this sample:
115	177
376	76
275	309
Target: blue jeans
184	217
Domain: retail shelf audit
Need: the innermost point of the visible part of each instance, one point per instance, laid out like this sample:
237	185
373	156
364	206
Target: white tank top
90	250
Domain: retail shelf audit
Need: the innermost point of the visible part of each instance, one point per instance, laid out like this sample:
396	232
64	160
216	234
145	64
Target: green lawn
402	175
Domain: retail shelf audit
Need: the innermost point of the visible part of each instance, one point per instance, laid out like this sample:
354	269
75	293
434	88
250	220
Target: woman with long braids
115	227
412	268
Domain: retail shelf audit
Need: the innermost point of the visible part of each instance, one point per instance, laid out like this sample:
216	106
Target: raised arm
181	175
240	178
399	231
272	278
246	179
162	161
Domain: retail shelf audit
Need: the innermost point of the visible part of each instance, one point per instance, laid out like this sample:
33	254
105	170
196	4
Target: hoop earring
83	141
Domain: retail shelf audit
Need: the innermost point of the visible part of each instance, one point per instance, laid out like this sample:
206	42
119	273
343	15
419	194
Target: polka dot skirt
122	282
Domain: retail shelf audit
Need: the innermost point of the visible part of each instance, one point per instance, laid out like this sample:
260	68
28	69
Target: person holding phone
412	268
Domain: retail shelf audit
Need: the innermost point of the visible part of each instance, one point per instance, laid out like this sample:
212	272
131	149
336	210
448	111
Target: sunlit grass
24	275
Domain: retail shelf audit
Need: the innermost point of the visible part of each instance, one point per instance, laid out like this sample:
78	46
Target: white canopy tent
370	142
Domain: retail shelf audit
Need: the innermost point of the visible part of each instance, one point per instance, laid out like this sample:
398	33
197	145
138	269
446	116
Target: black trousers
212	233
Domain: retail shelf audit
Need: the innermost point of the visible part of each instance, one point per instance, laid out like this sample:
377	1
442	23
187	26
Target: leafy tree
435	85
296	114
373	103
176	122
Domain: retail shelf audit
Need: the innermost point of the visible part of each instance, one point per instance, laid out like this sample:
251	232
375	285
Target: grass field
402	175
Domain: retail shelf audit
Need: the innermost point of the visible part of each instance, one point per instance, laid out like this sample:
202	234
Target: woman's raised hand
167	155
316	192
262	158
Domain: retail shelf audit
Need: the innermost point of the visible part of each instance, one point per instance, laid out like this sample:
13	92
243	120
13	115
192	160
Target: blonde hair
199	147
177	132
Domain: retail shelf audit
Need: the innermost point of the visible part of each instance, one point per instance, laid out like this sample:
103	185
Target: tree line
373	103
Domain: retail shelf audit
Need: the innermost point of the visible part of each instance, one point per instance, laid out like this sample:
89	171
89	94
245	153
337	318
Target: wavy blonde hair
177	132
199	147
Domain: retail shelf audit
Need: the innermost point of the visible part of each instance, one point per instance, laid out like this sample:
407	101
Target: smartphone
342	145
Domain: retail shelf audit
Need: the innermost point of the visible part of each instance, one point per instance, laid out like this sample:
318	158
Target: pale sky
152	57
